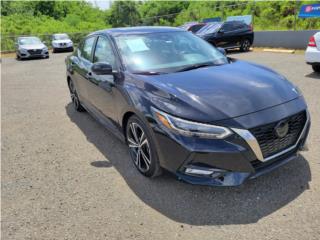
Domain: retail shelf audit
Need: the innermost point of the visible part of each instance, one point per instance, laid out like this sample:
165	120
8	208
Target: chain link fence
287	20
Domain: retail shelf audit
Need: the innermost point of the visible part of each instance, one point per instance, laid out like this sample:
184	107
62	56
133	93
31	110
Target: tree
123	13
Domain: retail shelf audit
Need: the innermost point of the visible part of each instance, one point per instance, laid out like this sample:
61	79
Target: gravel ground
65	177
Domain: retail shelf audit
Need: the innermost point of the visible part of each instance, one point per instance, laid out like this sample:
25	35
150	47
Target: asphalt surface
65	177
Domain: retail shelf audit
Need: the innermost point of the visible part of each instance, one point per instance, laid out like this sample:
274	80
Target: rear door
242	32
225	37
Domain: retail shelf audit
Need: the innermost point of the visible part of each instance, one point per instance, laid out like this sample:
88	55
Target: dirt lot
65	177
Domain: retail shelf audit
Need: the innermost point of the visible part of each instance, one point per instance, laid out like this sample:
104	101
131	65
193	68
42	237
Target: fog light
207	172
198	171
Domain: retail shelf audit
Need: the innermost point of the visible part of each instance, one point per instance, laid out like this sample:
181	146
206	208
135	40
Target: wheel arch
125	119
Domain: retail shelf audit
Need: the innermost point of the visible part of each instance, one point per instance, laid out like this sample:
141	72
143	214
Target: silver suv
61	42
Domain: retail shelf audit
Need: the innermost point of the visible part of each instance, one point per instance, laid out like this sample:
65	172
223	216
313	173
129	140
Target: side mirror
222	51
221	31
101	68
44	42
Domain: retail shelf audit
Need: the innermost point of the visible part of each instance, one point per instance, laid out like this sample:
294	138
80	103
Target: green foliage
43	18
123	14
167	9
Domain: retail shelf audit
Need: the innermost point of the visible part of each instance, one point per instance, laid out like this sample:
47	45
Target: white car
313	52
61	42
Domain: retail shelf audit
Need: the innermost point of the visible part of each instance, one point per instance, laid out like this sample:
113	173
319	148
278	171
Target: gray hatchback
31	47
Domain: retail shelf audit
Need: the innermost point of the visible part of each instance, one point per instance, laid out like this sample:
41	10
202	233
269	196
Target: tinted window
228	27
209	28
103	52
239	25
87	48
196	28
61	36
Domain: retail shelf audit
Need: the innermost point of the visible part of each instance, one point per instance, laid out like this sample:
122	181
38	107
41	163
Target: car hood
62	41
33	46
219	92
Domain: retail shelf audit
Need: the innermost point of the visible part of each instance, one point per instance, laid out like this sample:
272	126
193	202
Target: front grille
34	51
270	143
63	44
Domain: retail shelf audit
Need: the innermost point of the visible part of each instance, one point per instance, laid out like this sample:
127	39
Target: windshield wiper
148	73
195	66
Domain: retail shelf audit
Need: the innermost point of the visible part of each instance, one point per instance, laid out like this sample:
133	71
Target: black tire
316	68
74	97
245	45
54	50
145	150
18	57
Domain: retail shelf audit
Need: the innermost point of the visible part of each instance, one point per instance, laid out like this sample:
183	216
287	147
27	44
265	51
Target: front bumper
33	54
63	47
227	162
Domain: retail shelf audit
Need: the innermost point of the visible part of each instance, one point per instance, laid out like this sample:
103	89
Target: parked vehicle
193	26
61	42
31	47
229	35
312	54
181	105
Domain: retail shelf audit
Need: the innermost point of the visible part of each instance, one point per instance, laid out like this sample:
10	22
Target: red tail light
312	42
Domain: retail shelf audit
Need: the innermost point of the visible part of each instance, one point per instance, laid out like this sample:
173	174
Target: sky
103	4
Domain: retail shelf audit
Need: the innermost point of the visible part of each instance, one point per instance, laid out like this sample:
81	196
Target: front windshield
60	37
210	28
29	41
166	52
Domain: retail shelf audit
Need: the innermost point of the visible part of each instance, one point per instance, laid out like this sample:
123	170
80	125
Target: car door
225	37
243	31
100	91
81	64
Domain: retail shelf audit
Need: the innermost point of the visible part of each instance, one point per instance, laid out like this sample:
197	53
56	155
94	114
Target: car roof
27	37
137	30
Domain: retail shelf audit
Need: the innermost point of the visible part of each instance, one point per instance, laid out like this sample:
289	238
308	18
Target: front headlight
189	128
23	50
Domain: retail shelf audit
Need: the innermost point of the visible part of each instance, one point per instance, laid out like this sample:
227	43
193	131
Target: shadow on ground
197	205
235	51
313	75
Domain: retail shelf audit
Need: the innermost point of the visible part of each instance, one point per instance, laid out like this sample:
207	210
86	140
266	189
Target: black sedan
229	35
181	105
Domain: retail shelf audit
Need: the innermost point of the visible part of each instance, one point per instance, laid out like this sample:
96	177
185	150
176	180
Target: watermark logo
308	8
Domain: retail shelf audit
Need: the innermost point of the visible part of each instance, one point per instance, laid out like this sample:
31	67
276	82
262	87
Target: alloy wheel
246	45
139	147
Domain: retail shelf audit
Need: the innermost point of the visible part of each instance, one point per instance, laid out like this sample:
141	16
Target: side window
227	27
104	53
240	26
87	48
